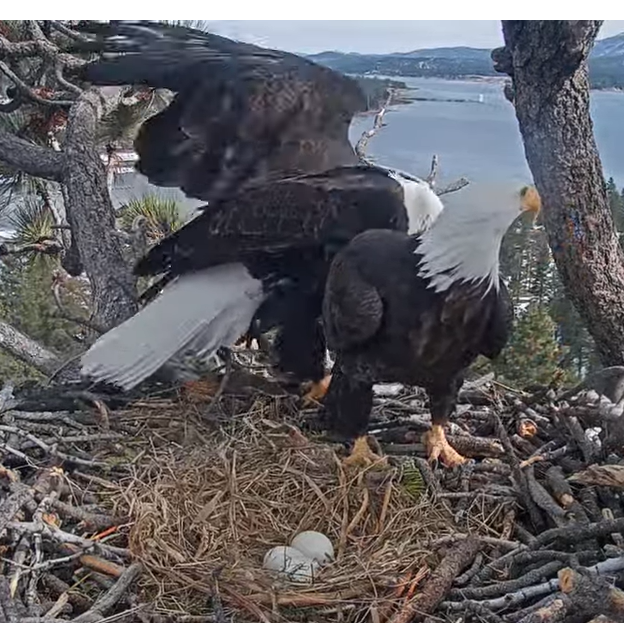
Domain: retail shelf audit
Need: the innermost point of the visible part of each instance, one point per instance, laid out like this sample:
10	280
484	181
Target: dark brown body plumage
385	325
314	211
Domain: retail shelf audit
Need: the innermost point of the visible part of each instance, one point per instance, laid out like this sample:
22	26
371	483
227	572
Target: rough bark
27	350
94	244
90	213
547	61
89	210
29	158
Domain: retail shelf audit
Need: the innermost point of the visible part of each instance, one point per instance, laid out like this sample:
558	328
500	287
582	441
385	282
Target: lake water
477	140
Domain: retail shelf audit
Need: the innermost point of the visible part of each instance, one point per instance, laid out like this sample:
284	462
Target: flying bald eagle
263	136
417	310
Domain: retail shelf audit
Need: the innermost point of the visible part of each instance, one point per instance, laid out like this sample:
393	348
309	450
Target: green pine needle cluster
412	481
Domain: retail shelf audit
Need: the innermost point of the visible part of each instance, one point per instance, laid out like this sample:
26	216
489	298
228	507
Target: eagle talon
362	455
318	390
439	447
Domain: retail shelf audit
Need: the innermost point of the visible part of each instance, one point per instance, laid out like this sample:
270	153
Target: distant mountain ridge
606	62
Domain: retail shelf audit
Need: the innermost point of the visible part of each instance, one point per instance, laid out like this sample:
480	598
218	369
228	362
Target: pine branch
38	47
23	348
45	246
30	158
27	91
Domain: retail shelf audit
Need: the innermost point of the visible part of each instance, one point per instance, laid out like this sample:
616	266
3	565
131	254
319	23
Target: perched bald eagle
263	136
417	310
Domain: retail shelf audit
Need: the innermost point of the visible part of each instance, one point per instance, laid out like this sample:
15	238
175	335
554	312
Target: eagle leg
347	409
362	455
439	447
442	403
317	389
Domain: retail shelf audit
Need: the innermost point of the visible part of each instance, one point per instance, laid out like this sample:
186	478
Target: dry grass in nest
219	504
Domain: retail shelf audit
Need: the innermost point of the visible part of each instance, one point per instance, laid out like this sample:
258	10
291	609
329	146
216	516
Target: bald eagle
417	310
262	135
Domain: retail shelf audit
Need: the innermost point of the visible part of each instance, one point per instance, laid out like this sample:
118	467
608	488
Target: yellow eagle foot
318	390
439	447
362	455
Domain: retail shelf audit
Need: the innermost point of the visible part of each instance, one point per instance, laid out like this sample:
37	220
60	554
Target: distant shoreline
475	79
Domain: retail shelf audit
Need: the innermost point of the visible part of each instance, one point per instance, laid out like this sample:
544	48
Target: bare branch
38	48
24	89
112	598
58	73
360	147
434	171
46	246
462	182
23	348
68	32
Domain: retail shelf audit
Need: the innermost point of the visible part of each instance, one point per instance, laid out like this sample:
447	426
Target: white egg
314	545
291	562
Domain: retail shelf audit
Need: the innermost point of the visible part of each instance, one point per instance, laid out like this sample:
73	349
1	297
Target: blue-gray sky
372	36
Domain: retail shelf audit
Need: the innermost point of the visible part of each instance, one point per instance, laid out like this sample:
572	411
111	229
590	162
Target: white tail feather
198	313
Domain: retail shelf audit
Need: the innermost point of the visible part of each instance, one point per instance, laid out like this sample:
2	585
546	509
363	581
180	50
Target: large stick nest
163	509
222	501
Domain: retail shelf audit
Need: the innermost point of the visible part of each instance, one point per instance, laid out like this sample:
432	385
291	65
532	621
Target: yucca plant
162	216
34	229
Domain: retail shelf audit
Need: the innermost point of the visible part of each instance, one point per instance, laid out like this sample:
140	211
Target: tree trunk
91	216
547	61
89	210
23	348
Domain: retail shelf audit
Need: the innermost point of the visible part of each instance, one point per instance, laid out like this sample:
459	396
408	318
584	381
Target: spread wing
323	211
242	114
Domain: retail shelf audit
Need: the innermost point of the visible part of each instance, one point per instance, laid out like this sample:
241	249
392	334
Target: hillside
606	64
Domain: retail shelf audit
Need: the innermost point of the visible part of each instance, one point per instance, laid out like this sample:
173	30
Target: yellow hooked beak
530	202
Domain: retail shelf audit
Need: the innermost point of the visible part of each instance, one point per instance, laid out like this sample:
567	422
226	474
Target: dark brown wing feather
423	334
242	114
500	324
352	308
325	210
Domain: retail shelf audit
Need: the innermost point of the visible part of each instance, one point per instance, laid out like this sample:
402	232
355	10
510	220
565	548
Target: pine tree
27	302
533	354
